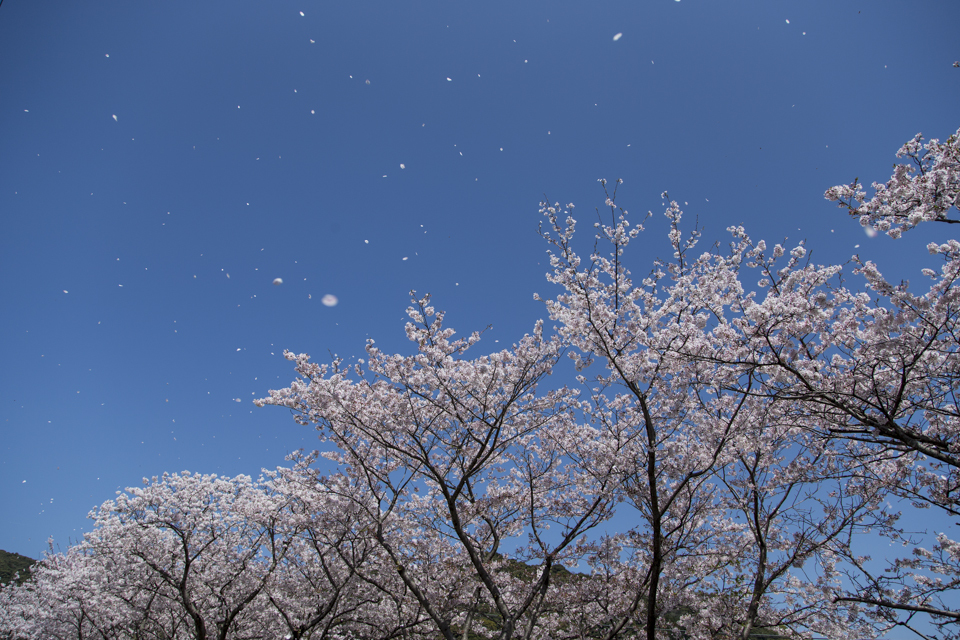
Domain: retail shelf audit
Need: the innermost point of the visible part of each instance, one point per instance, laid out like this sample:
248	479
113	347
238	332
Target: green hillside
11	563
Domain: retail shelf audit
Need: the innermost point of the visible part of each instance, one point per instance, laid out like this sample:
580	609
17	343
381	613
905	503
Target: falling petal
277	281
617	37
329	300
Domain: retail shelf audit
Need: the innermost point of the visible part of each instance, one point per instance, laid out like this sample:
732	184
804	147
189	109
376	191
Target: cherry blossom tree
878	370
448	455
730	490
459	456
82	594
210	544
62	600
663	420
189	555
894	392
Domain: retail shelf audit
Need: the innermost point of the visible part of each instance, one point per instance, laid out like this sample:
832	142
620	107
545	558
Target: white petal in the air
277	282
329	300
402	166
617	37
114	118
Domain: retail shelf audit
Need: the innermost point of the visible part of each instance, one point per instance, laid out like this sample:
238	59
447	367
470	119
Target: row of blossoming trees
736	422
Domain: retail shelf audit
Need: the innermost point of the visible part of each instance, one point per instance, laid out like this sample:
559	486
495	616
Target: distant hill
11	563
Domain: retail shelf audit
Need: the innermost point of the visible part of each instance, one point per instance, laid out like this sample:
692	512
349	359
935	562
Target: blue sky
251	142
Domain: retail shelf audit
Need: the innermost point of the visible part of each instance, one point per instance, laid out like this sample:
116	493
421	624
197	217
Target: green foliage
528	573
11	564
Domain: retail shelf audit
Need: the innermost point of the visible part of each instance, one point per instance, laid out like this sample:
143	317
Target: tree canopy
697	452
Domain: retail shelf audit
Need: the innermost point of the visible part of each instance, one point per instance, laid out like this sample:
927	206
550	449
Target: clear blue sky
254	141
